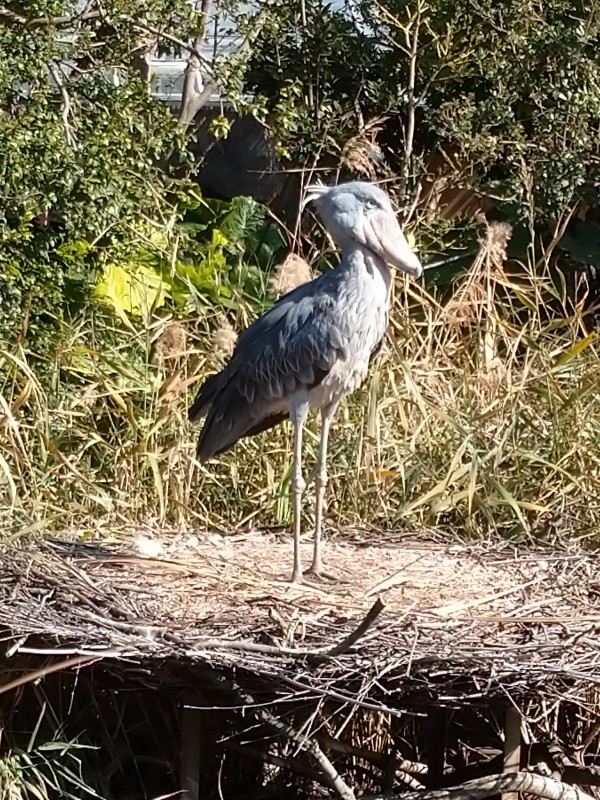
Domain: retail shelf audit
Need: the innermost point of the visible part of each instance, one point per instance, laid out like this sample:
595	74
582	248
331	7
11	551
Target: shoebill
314	346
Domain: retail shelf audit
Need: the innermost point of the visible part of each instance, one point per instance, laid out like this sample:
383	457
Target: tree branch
193	98
480	788
193	49
412	103
41	22
66	109
353	637
312	747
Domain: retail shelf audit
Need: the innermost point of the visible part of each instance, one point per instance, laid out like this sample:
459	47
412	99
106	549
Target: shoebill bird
314	345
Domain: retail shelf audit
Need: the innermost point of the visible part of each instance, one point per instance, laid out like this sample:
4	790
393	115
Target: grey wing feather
291	347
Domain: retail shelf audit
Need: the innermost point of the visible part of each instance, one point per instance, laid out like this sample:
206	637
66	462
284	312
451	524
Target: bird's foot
318	574
317	571
296	576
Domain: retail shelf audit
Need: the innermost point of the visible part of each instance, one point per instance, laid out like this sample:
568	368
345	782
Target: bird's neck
359	259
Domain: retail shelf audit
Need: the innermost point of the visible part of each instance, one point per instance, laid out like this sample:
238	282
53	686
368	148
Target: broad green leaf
135	291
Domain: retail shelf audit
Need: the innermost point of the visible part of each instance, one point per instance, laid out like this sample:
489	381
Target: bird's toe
317	571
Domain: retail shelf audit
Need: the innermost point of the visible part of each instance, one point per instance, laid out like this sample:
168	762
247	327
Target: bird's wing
290	350
292	347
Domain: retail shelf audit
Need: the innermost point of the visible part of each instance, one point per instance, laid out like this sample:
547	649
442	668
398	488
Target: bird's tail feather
226	425
204	398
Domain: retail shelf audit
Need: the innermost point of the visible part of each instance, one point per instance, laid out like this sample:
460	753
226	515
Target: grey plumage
315	344
291	347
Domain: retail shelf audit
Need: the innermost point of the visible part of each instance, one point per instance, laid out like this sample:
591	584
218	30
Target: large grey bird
314	345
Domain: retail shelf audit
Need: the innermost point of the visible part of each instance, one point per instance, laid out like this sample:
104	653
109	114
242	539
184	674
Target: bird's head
361	212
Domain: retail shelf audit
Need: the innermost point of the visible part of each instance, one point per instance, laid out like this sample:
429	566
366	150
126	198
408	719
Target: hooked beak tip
414	269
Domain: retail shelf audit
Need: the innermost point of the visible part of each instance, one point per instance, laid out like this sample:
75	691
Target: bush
80	164
510	91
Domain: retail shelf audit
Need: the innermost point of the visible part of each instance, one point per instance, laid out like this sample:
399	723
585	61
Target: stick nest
459	624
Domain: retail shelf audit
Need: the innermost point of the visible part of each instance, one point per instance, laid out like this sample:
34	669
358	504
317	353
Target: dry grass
482	415
414	621
226	579
291	273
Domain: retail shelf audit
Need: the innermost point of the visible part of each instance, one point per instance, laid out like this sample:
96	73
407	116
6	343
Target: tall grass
483	414
44	768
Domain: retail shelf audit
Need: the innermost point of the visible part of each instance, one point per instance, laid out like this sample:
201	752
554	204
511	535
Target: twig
149	631
58	666
481	788
344	697
66	109
354	636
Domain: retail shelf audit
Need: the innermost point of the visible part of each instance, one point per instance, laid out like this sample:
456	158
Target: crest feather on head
313	192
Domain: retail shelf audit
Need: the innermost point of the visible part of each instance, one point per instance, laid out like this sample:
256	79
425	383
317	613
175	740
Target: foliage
80	156
220	252
308	81
510	91
482	415
44	769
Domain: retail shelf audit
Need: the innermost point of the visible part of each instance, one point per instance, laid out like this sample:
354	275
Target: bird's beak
383	235
314	191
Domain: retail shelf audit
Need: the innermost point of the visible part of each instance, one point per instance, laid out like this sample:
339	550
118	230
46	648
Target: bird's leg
298	414
328	413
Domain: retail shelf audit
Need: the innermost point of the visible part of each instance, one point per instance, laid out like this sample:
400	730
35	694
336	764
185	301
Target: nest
412	621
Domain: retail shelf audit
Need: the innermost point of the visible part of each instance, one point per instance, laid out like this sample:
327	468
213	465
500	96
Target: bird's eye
371	203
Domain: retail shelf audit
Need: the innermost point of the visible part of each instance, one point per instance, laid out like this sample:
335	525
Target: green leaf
133	290
576	349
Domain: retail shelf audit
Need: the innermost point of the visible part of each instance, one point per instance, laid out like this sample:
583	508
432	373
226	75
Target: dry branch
353	637
57	666
304	742
481	788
